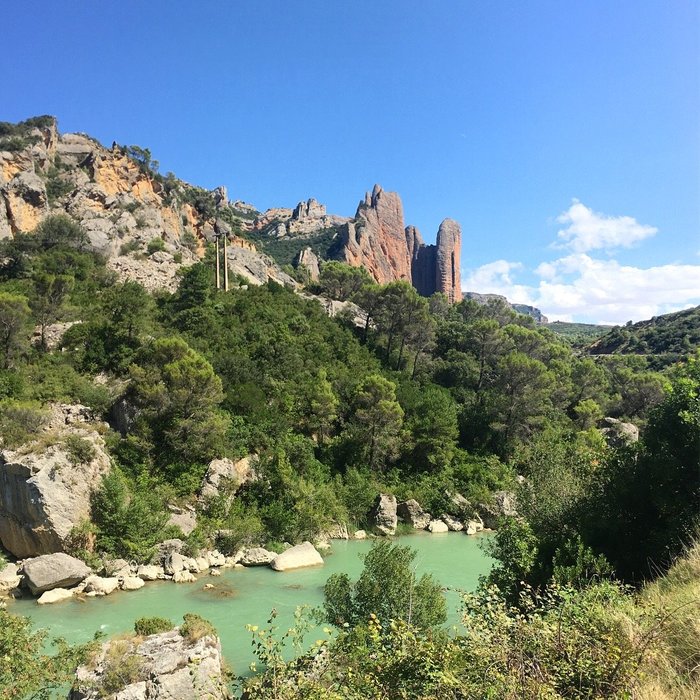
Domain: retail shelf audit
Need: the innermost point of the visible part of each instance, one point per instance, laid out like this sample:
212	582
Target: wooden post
218	281
225	266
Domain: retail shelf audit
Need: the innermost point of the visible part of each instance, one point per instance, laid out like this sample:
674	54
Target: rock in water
297	557
411	512
257	556
383	514
54	571
436	526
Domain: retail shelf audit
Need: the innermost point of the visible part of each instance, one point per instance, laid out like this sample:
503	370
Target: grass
673	670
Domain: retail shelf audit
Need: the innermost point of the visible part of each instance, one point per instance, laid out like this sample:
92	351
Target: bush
146	626
19	421
155	245
80	450
132	246
195	627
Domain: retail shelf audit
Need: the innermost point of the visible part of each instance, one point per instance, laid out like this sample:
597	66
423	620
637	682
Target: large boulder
166	666
101	585
226	473
55	595
437	526
453	524
257	556
9	578
383	514
411	512
617	433
503	506
50	571
297	557
45	490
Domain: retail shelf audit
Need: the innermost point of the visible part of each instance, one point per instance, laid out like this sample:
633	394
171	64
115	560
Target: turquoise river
246	596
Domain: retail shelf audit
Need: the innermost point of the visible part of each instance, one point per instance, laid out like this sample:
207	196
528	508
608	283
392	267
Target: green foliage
146	626
195	627
132	246
665	339
14	318
155	245
121	666
387	589
19	421
80	450
26	669
342	281
130	517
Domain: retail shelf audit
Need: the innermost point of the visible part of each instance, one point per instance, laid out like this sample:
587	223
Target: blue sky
498	114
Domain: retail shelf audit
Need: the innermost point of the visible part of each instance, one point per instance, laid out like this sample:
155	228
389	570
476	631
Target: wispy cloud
588	230
582	287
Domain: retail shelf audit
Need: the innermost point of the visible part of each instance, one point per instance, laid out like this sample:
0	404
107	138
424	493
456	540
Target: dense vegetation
399	394
663	339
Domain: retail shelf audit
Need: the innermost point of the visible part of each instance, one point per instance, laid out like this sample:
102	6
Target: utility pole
225	266
216	242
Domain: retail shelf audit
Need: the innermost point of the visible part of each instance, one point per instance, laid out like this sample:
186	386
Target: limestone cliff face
378	240
44	492
122	205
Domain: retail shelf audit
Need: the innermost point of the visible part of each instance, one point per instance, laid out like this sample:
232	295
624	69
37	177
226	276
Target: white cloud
580	287
589	230
596	291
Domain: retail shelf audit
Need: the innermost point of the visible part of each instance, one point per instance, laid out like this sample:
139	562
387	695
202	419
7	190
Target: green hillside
666	339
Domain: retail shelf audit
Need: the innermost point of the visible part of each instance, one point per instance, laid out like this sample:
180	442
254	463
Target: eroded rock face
383	514
51	571
45	491
228	473
169	665
378	240
307	260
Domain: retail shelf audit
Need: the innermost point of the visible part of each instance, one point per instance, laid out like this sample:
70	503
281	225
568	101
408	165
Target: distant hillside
578	333
666	338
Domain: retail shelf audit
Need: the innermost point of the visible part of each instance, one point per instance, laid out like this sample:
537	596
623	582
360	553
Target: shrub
121	667
195	627
19	421
80	450
130	247
145	626
155	245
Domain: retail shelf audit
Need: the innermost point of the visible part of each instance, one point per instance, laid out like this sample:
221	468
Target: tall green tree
14	319
387	588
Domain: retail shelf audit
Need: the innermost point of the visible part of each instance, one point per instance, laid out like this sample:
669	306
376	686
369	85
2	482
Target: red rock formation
447	274
377	240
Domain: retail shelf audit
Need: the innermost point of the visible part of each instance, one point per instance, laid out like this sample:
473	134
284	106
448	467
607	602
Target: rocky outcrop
307	260
411	513
525	309
378	240
51	571
311	209
10	578
503	506
617	433
297	557
453	524
383	514
447	260
45	489
124	206
164	666
227	473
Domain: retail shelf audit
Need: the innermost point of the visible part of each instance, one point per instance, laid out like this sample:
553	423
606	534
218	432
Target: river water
246	596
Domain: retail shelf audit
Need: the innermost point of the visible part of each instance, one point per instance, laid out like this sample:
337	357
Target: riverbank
246	596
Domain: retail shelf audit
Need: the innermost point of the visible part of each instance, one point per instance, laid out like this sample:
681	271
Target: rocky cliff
145	224
378	240
45	486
